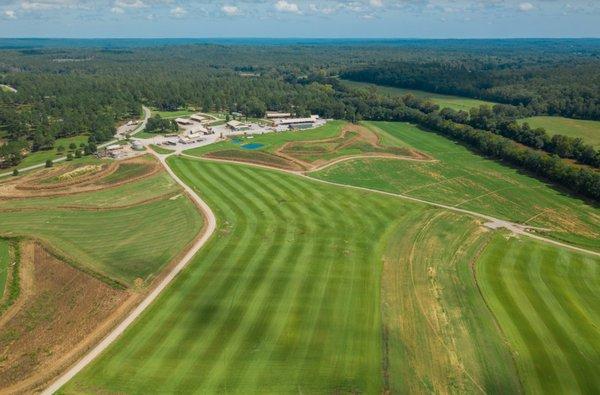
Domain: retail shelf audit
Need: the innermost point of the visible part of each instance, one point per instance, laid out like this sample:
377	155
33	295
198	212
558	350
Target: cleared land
454	102
38	157
466	180
286	298
589	131
547	302
173	114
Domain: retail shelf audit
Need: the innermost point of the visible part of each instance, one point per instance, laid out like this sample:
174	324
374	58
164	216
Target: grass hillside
589	131
454	102
4	262
287	297
464	179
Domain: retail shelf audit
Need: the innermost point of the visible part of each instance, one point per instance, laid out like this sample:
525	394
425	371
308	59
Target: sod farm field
589	131
465	180
287	298
454	102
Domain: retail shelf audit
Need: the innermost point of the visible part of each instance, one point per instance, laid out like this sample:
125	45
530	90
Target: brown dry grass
58	308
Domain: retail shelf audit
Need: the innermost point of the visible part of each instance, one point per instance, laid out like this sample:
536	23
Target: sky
300	18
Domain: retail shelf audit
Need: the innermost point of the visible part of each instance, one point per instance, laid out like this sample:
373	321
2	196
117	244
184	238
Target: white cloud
117	10
230	10
129	4
10	14
284	6
376	3
526	7
178	12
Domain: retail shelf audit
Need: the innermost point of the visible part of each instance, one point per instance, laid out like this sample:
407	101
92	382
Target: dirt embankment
59	307
70	179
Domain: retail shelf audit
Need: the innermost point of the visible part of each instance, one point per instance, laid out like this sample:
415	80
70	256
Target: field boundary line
515	228
208	231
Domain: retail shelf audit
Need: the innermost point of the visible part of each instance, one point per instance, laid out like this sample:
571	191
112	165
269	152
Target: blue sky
300	18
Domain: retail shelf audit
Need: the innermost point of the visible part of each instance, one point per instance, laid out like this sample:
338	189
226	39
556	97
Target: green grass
464	179
547	302
589	131
272	141
454	102
286	296
38	157
161	150
173	114
120	243
4	262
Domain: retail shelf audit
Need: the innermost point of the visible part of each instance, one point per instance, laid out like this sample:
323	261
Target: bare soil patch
58	309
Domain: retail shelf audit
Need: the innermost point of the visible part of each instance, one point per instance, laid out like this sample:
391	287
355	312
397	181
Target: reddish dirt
59	307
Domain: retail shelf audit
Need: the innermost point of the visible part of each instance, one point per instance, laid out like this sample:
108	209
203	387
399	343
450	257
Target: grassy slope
173	114
548	304
42	156
123	243
286	297
161	150
589	131
4	261
272	141
454	102
466	180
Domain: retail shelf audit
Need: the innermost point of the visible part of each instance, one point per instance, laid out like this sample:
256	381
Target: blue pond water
253	146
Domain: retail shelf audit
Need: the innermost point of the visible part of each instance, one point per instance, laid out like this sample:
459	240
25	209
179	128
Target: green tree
49	163
69	156
15	172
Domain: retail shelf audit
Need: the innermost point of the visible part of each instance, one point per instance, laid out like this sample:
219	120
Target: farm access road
121	131
207	231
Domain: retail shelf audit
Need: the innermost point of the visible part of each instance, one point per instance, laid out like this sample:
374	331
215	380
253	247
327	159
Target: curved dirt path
142	126
208	230
492	222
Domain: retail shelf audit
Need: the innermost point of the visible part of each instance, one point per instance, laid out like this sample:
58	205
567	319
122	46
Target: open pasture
123	228
287	298
589	131
546	301
183	113
454	102
464	179
4	264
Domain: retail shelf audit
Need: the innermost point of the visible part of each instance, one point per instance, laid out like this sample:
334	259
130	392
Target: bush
69	156
49	163
15	172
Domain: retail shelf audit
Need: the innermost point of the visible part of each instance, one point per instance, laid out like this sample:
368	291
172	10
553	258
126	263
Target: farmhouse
297	123
198	118
184	121
277	115
237	126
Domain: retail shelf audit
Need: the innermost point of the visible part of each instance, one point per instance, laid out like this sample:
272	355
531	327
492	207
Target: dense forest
76	89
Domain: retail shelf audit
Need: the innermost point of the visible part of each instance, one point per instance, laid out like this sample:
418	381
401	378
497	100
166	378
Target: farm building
237	126
276	115
184	121
198	118
137	145
297	123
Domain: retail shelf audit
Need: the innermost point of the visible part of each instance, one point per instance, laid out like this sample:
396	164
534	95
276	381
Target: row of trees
501	119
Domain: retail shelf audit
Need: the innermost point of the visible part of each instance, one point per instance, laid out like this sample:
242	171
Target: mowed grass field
454	102
466	180
125	232
287	298
547	302
589	131
173	114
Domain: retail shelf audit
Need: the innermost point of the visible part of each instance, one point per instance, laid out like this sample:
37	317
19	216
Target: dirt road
208	230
